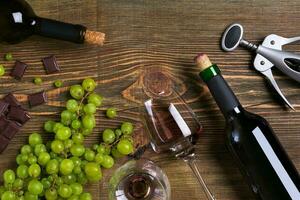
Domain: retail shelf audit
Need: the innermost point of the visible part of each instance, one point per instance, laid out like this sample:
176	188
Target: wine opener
269	54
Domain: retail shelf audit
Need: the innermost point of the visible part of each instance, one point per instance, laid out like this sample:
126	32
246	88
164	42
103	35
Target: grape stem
81	102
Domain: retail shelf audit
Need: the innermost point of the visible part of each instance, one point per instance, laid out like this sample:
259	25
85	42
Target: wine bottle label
186	131
284	177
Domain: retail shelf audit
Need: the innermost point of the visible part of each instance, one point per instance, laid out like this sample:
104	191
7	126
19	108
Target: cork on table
168	34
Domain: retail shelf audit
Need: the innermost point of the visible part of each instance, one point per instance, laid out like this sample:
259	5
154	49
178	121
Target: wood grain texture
142	34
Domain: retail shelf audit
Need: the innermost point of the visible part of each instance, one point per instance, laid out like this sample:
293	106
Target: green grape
111	113
81	178
108	136
46	183
107	150
125	147
18	184
118	133
76	188
8	57
89	84
72	105
26	149
52	167
65	191
127	128
76	91
89	108
2	70
93	171
57	146
78	138
37	81
19	159
73	197
24	157
31	159
89	155
66	166
35	139
63	133
107	162
29	196
34	170
85	196
76	124
77	150
95	147
58	84
51	194
43	158
66	117
99	158
2	190
39	148
68	179
95	99
88	121
48	126
101	149
35	187
86	131
68	143
8	195
57	126
59	181
9	176
77	169
76	160
74	116
116	154
22	171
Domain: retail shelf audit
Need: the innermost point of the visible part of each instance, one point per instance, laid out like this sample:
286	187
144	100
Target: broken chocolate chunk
50	64
3	143
3	107
18	114
10	130
11	100
19	70
37	98
3	122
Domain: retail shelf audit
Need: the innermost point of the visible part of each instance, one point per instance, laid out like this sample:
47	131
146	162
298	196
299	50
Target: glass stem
191	161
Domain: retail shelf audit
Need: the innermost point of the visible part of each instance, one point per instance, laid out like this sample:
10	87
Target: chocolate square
19	70
37	98
3	123
10	130
50	64
11	100
3	143
18	114
3	107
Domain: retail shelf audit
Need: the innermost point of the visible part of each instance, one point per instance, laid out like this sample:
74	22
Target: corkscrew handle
193	165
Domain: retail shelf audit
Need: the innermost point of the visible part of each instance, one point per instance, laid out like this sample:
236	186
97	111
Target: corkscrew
269	54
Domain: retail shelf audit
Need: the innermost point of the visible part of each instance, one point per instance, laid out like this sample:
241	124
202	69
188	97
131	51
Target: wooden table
168	34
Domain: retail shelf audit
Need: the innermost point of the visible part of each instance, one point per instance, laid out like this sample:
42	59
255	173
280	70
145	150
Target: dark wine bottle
18	21
266	166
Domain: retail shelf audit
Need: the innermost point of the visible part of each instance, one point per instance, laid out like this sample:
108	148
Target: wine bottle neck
59	30
220	90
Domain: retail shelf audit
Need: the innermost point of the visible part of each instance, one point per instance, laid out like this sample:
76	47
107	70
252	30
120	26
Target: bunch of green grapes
61	168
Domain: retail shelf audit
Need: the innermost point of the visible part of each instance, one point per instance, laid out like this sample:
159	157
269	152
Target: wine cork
94	37
202	61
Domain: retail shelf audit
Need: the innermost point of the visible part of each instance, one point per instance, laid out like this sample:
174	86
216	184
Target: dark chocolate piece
11	100
3	107
10	130
18	114
3	143
50	64
3	122
37	98
19	70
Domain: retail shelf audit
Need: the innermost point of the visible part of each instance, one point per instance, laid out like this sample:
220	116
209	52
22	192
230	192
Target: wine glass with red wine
171	123
139	180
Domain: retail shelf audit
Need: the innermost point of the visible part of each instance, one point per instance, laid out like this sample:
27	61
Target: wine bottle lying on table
266	166
18	21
